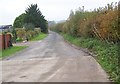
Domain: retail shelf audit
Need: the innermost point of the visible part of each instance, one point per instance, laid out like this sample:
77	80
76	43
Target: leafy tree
19	21
34	16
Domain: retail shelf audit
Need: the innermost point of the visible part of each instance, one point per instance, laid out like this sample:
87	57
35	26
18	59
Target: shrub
21	33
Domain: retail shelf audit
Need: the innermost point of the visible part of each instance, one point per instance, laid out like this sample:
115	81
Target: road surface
51	60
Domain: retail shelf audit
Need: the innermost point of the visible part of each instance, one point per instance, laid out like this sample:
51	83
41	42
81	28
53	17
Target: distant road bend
51	60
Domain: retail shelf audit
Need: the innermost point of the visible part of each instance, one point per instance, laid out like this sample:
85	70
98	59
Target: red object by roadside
5	41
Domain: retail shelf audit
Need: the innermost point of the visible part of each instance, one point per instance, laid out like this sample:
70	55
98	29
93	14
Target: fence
5	41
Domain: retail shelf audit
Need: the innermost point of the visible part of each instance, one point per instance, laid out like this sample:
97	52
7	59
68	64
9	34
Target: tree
34	16
19	21
29	26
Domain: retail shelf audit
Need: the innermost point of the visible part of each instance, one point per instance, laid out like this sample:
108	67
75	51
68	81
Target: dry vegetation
101	23
97	30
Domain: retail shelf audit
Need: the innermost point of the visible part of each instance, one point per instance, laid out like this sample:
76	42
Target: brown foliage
101	23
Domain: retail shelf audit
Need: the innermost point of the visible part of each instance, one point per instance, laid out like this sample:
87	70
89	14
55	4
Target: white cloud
51	9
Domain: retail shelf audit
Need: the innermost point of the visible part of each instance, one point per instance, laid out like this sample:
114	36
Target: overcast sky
51	9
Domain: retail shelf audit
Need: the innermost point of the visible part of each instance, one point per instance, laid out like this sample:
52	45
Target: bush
37	30
21	33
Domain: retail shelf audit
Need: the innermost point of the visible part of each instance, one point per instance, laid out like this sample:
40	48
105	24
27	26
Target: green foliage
29	26
39	37
109	60
102	23
22	34
11	50
37	31
30	34
107	54
83	27
31	19
34	16
19	21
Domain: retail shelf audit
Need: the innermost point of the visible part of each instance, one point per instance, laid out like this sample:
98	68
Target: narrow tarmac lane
51	60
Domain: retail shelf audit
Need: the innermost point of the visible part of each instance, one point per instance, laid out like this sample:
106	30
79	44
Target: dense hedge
101	23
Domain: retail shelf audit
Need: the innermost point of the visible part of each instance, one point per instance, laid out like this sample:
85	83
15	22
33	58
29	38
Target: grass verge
39	37
107	54
10	51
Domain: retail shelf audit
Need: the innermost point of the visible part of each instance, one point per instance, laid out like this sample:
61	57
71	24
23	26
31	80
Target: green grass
39	37
9	51
14	49
107	54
